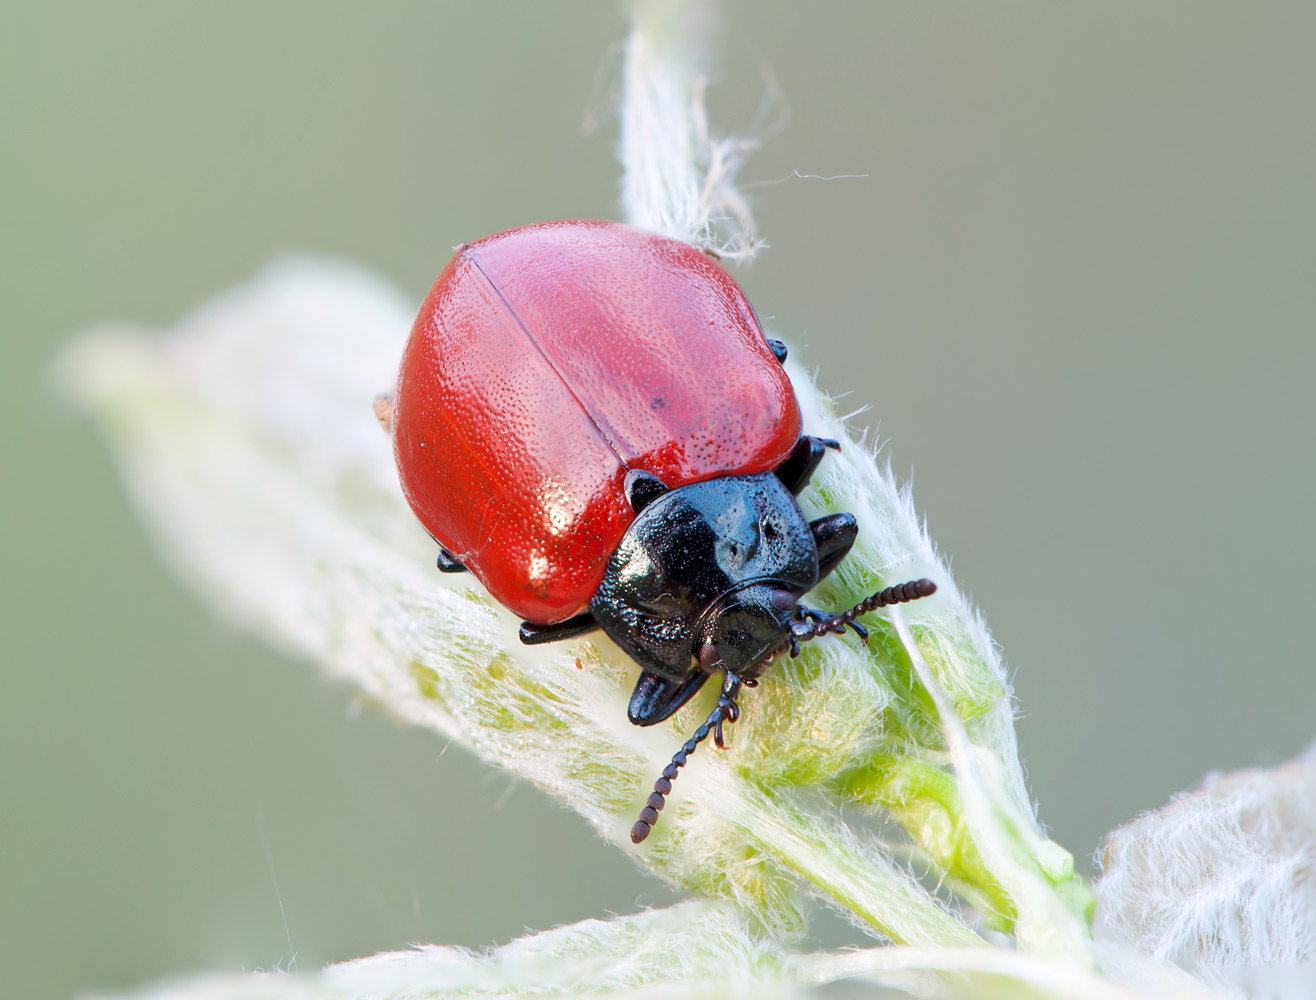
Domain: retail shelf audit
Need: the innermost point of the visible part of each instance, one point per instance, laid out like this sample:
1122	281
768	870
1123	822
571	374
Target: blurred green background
1075	286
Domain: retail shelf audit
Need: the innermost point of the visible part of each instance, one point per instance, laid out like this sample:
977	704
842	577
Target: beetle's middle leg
533	634
798	468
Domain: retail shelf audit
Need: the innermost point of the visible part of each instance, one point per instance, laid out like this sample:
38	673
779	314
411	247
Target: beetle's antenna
727	711
812	623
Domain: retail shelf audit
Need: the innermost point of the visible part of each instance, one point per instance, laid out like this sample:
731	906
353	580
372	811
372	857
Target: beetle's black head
744	628
708	576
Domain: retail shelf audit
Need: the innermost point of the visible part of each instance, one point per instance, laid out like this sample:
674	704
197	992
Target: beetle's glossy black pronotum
590	420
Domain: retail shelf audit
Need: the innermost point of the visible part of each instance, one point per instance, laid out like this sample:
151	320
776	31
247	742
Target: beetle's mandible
591	420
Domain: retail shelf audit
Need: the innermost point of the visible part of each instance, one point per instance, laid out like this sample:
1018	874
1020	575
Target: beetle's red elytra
546	363
590	419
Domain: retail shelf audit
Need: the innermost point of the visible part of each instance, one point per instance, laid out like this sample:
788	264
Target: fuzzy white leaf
688	950
695	948
1222	880
677	178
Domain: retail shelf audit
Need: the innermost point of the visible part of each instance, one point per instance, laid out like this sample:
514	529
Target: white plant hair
1222	880
246	438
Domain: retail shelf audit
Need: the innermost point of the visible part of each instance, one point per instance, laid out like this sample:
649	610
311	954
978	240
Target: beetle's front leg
823	621
833	536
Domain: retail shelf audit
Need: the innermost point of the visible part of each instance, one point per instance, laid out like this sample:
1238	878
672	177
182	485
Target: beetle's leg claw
818	623
811	624
729	709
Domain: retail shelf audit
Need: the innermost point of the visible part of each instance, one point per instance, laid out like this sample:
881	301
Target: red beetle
590	420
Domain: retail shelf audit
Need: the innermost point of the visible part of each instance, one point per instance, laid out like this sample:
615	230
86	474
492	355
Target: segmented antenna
727	711
815	623
811	625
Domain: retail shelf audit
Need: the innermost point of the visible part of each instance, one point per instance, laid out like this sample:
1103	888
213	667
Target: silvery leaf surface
1222	881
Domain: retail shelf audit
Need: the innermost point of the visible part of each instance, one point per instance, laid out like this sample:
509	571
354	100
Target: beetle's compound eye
708	657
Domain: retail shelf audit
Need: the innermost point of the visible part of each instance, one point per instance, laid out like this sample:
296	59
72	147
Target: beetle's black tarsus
448	562
811	624
803	460
777	348
642	488
726	712
533	635
824	620
656	699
